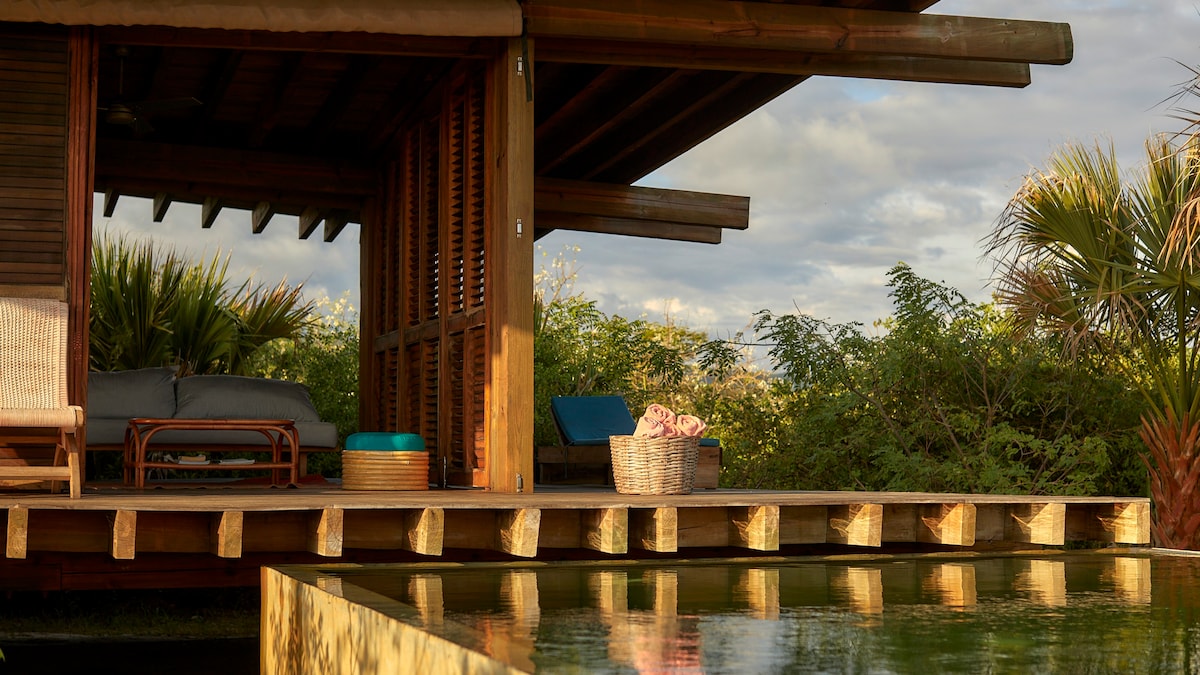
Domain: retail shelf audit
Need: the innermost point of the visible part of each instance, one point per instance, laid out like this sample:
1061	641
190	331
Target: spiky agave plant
151	307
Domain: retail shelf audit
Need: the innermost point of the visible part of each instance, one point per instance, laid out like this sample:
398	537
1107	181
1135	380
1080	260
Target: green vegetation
1110	267
950	396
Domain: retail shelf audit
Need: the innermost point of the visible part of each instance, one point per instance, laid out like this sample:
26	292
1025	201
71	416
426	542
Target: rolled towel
660	413
690	425
649	428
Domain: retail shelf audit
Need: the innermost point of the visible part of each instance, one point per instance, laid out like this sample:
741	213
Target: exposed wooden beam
110	202
261	216
334	224
351	43
637	211
777	26
162	202
269	110
309	220
900	68
209	211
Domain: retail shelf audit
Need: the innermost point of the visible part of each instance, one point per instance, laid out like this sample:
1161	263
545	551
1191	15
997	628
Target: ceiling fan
134	114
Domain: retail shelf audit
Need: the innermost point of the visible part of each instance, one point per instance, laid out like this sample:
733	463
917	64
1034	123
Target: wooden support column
325	532
82	50
225	537
855	525
655	529
508	397
17	533
124	535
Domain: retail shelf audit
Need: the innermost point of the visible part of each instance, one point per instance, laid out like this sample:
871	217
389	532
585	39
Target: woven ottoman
385	461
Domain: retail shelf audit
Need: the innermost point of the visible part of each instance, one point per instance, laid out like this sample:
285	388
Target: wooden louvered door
461	297
429	307
450	356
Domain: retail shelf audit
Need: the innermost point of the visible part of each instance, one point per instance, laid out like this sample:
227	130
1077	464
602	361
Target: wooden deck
219	535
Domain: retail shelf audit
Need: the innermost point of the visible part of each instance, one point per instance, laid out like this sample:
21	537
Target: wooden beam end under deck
517	532
425	530
124	535
655	529
855	525
226	534
326	532
17	532
605	530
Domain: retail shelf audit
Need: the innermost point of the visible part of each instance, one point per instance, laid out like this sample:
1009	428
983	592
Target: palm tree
153	308
1107	265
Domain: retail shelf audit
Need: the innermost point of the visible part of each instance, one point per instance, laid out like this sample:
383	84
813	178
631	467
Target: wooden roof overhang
295	108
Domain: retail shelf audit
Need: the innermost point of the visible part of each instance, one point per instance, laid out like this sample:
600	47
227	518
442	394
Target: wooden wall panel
33	159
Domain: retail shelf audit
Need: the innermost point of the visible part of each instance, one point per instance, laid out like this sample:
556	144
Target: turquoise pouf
385	461
381	440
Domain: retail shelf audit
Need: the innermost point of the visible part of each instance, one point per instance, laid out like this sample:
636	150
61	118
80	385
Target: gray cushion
236	397
148	392
312	435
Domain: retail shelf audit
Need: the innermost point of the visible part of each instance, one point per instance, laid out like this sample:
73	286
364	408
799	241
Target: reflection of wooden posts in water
425	594
954	583
1130	578
1044	580
516	631
863	588
760	589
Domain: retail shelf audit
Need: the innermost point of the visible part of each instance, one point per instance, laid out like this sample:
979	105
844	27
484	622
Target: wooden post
509	273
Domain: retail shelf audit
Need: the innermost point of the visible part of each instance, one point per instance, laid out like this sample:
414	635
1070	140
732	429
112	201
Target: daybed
116	397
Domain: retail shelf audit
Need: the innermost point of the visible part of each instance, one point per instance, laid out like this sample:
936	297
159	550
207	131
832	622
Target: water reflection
1007	614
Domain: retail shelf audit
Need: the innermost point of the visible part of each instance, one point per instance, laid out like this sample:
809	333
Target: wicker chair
34	410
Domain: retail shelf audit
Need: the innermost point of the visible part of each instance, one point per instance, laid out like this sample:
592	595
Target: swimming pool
1124	611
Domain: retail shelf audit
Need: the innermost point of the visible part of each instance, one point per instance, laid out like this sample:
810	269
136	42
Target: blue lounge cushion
379	440
590	420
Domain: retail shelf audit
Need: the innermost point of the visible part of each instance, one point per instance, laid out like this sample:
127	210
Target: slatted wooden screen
33	148
430	354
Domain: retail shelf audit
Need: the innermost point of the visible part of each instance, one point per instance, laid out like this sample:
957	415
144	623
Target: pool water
1130	612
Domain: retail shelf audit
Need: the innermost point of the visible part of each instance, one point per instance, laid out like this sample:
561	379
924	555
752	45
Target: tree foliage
947	399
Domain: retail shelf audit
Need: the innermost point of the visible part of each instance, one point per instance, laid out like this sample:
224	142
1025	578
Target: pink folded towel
660	413
690	425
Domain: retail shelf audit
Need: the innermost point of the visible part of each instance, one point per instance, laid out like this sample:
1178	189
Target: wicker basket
654	466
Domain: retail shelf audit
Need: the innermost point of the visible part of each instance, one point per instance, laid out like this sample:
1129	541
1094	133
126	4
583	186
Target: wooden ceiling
621	87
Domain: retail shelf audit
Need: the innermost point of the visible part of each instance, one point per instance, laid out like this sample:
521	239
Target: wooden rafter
801	28
273	105
903	68
637	211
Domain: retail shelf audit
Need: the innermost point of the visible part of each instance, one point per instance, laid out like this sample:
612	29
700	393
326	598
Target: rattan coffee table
142	429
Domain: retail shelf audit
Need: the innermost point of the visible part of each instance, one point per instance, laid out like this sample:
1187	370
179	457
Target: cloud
849	177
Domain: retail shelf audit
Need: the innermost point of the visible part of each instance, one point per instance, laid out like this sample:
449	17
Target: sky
846	178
